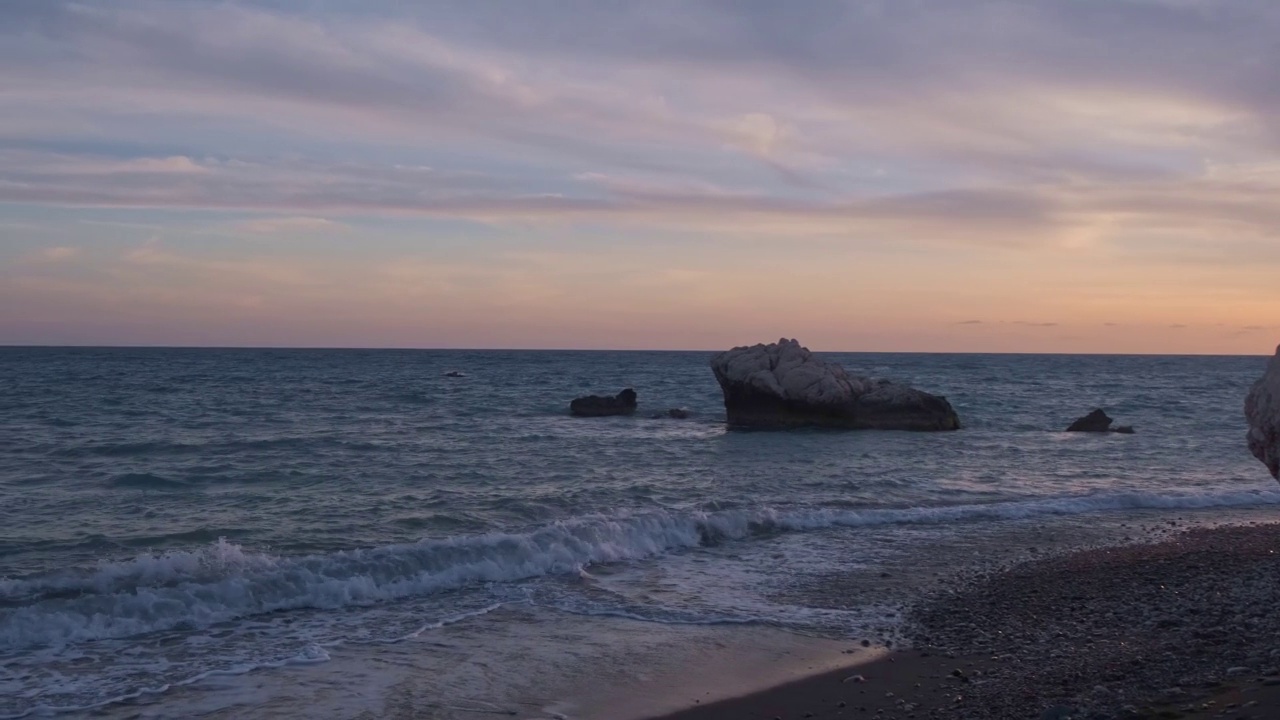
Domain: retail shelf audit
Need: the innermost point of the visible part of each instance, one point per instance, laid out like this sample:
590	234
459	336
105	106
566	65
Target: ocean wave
223	581
162	448
146	481
311	654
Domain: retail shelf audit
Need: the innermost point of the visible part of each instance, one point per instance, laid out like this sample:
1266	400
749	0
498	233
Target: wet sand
1186	627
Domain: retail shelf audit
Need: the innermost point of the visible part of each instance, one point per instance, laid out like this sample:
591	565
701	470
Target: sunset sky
935	175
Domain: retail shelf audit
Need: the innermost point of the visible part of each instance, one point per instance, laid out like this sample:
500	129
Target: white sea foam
444	623
309	655
215	560
223	581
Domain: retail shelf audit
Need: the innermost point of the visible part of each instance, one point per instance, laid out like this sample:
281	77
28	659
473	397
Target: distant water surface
169	515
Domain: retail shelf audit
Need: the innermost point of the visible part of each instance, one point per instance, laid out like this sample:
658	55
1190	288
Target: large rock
624	403
783	385
1262	409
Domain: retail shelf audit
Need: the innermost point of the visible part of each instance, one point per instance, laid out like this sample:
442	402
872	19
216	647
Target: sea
357	534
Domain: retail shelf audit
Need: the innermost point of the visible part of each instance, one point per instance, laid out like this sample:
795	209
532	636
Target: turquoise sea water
168	516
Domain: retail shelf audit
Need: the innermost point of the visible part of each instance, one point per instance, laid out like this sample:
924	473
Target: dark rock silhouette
783	385
673	413
1262	409
1098	422
624	403
454	374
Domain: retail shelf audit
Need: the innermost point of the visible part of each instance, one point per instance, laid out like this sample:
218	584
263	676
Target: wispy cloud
1075	159
294	225
57	254
1114	148
153	256
984	216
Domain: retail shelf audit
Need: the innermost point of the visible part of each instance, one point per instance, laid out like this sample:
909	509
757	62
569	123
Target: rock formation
624	403
783	385
673	413
1098	422
1262	409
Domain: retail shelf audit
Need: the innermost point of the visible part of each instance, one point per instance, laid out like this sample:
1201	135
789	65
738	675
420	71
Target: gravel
1130	631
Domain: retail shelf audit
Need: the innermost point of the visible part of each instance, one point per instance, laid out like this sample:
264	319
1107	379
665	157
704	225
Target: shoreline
1177	628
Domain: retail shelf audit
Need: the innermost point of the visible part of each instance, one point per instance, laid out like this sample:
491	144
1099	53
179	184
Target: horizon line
8	346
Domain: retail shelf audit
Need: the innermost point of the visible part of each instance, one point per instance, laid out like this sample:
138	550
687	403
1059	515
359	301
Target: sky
863	175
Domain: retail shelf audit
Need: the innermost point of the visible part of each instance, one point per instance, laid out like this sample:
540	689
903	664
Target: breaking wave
223	581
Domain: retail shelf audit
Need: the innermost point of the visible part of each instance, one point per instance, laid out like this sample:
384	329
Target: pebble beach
1178	628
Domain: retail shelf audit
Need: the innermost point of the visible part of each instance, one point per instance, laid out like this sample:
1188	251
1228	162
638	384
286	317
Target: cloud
1024	93
969	322
154	259
288	226
760	133
57	254
176	164
1058	157
1230	211
902	129
983	216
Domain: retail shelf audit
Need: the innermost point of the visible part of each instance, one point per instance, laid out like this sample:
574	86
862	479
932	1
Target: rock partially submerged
783	385
1262	409
1098	422
673	414
624	403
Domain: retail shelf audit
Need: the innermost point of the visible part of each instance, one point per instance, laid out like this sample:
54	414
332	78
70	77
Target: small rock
1096	421
624	403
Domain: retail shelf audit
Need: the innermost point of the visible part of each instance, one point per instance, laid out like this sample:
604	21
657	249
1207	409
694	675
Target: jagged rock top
1262	408
791	372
